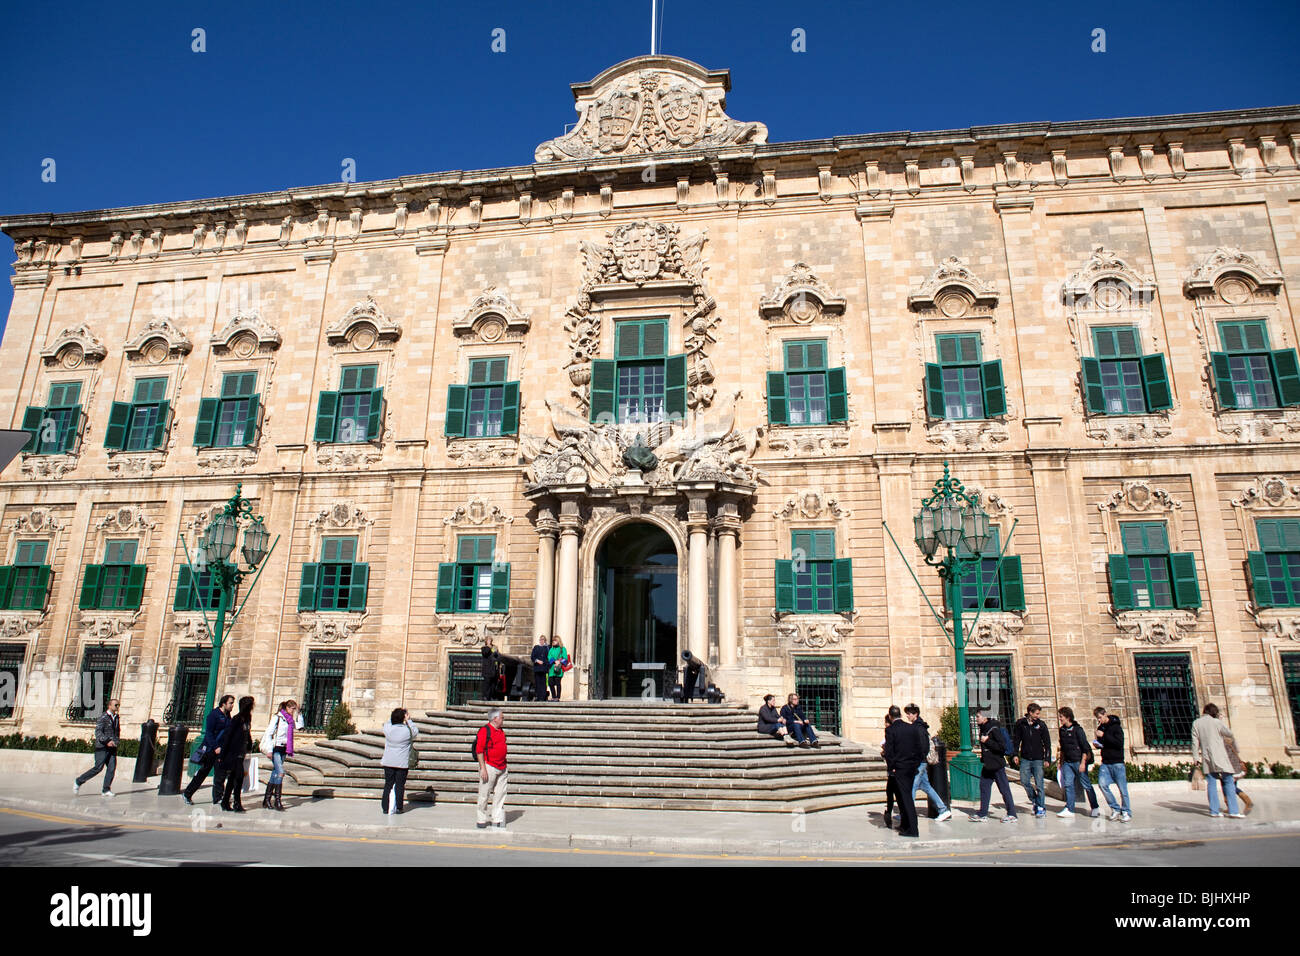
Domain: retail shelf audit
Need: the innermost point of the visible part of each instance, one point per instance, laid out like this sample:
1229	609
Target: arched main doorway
636	613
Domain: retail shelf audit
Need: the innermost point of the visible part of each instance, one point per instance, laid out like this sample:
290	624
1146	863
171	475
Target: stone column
728	525
697	578
544	594
566	590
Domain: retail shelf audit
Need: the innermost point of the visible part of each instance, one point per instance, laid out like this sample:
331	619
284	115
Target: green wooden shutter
510	409
73	432
32	416
1092	391
207	423
843	578
500	588
604	380
1187	593
359	587
1223	380
160	426
675	387
457	401
1121	583
182	600
446	599
778	408
327	413
42	587
837	395
119	416
784	586
1155	383
307	586
995	395
251	419
1259	579
1286	369
1011	584
90	586
375	418
6	579
934	389
134	586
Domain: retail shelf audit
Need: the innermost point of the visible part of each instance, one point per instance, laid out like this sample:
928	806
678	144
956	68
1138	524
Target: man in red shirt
490	749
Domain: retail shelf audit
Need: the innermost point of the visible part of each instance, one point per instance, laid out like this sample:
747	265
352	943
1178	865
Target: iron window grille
95	684
11	672
140	424
1166	698
1291	680
817	682
464	678
25	584
325	673
190	688
53	430
1275	567
989	684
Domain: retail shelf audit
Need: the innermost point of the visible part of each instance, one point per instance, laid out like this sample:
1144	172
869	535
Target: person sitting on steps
771	723
799	725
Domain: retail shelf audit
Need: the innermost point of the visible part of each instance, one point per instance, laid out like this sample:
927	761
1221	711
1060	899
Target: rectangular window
805	374
118	582
960	385
474	572
813	553
464	678
231	419
94	684
325	673
53	429
1291	678
11	673
336	562
982	580
487	397
1275	567
204	594
640	348
988	684
1250	364
1120	359
25	585
1166	698
139	425
1147	548
189	692
817	682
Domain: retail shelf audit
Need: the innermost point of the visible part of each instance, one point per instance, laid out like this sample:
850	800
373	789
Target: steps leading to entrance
624	754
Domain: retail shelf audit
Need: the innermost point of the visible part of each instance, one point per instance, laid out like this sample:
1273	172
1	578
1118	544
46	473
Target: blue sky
286	90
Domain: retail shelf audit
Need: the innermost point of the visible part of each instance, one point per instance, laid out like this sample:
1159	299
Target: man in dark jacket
1076	754
905	750
771	723
913	713
1110	737
491	672
108	734
1031	751
214	729
538	656
993	754
799	725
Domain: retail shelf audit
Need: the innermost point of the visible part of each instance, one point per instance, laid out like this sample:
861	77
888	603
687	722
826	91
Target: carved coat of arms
681	112
640	249
617	117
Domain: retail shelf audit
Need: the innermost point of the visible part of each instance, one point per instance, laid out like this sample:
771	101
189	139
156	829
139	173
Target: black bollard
148	746
939	776
174	760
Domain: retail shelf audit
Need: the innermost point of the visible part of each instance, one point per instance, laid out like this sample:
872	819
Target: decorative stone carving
1281	624
1270	492
651	104
994	505
967	435
801	297
348	457
135	464
127	518
245	335
814	631
1107	283
20	625
38	521
364	326
231	462
189	627
330	627
74	347
1129	429
482	629
953	291
1157	628
493	316
340	515
811	503
158	341
996	628
101	626
477	512
805	441
1138	497
483	451
1234	276
48	466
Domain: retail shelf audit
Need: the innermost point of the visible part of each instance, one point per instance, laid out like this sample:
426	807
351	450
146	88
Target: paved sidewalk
1161	811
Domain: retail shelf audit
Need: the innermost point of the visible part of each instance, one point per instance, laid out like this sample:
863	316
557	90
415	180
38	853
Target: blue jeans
922	782
802	732
277	766
1071	778
1031	778
1229	790
1116	774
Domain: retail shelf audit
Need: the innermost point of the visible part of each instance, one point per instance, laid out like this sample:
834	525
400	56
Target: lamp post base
964	776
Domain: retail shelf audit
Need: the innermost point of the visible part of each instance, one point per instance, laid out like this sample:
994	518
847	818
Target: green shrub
67	745
950	728
339	723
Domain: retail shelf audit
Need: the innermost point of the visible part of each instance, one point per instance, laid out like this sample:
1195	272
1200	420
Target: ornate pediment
125	519
492	316
1139	498
245	335
651	104
38	521
1108	283
1232	275
953	290
158	341
73	348
814	631
330	627
364	325
801	297
1270	492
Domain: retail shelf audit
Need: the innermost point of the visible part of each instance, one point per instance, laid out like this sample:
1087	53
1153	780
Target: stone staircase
607	754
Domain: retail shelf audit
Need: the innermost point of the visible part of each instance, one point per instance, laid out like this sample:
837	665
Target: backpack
1005	739
932	756
487	742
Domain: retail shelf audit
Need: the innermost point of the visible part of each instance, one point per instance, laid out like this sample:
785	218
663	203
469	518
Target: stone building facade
662	390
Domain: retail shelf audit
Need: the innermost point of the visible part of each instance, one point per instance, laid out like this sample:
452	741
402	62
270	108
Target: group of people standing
790	723
228	740
550	661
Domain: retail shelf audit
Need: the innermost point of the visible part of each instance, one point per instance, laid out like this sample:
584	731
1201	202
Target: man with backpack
1076	754
912	713
1110	739
490	752
995	746
1031	749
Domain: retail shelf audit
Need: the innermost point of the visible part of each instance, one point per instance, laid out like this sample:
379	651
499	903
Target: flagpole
652	27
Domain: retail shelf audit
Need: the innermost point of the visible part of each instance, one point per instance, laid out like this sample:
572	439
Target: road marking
904	857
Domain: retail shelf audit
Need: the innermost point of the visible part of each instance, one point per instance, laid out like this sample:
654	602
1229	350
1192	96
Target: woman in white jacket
399	737
279	735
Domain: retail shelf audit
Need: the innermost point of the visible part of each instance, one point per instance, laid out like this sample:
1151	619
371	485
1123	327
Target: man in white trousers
490	749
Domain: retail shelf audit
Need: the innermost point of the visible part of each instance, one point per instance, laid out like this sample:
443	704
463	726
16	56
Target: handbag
200	753
1197	778
932	756
413	757
267	745
566	665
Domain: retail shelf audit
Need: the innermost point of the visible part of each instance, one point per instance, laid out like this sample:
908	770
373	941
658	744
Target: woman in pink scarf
279	736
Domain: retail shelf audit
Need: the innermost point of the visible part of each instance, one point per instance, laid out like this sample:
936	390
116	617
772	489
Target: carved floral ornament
364	326
125	519
1280	624
801	297
1234	276
1107	283
492	316
245	335
100	626
330	627
21	625
340	515
997	628
476	512
953	291
651	104
810	503
1139	497
814	632
73	348
1157	627
158	341
458	629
